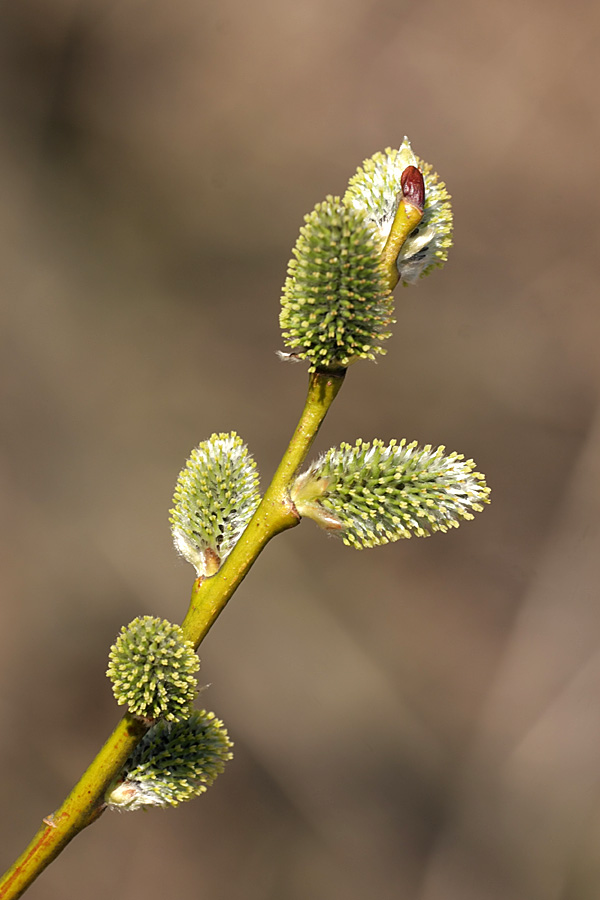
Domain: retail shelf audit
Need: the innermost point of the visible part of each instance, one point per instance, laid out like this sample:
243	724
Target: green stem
82	807
275	513
406	220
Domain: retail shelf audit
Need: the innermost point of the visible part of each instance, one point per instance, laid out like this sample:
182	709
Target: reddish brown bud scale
413	187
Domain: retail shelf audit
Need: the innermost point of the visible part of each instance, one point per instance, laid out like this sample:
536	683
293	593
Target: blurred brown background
420	721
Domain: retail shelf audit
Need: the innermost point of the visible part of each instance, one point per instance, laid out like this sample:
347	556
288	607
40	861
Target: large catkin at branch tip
376	188
393	223
336	306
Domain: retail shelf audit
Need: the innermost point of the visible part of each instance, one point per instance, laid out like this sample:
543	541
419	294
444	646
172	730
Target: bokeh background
420	721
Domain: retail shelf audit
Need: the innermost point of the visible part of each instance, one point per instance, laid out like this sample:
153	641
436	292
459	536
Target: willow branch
275	513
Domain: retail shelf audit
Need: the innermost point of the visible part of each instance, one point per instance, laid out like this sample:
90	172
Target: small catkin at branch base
173	763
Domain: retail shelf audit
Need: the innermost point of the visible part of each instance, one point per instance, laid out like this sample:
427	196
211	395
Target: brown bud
413	187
